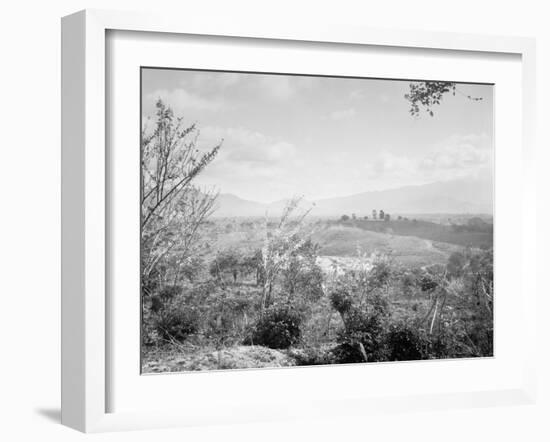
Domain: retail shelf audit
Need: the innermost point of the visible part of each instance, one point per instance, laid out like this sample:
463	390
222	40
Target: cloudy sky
323	137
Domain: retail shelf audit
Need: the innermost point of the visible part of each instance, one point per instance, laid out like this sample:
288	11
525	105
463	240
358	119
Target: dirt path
430	246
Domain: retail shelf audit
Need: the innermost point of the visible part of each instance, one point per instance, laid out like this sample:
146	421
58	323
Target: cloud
460	153
280	87
210	81
387	163
358	94
243	145
271	152
456	157
228	79
259	167
209	92
183	101
362	95
342	114
276	87
248	157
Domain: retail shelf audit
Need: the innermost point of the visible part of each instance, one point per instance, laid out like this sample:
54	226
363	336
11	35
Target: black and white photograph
275	221
300	220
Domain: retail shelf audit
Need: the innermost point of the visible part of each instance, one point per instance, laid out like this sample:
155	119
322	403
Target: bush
410	281
304	279
456	264
278	327
341	300
406	343
225	315
427	282
362	332
165	296
177	323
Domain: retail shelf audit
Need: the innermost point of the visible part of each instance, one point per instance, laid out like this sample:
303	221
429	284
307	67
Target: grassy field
345	240
478	236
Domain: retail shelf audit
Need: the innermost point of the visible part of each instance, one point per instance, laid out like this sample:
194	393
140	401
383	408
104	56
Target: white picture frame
85	218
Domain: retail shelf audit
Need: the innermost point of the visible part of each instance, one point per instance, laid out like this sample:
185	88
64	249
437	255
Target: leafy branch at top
427	94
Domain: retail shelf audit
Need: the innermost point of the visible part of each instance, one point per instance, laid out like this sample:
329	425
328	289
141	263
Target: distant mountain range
458	196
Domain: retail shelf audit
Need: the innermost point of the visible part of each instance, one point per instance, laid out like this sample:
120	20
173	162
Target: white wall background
30	220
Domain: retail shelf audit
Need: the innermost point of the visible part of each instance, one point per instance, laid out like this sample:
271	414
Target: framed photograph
265	222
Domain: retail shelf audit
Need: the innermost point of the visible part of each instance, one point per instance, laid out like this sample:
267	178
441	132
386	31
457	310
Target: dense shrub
304	279
165	296
427	282
456	264
177	323
362	339
340	300
277	327
361	299
226	314
406	342
378	305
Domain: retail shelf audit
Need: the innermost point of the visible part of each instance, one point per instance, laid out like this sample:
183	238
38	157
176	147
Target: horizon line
313	200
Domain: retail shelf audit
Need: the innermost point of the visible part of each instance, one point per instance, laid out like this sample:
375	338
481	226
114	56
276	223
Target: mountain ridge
454	196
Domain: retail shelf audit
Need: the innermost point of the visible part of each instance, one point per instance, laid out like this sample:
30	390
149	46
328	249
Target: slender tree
172	208
289	235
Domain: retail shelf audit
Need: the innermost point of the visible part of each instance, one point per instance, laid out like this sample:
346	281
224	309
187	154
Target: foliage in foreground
372	312
278	327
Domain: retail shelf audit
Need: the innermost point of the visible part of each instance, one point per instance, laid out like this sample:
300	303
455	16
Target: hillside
458	196
478	236
344	241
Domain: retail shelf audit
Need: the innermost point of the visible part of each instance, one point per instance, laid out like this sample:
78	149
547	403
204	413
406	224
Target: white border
83	260
131	392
